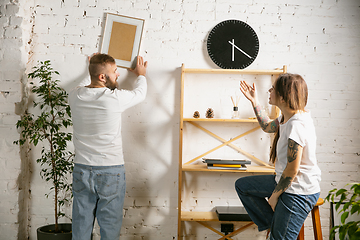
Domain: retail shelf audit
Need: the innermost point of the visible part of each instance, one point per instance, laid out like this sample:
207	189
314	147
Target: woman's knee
238	185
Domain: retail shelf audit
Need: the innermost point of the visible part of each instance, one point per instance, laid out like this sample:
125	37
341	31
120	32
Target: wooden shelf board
202	217
199	216
203	168
234	71
250	120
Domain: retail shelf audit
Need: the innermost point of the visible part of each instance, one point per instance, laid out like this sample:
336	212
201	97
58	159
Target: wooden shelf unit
203	217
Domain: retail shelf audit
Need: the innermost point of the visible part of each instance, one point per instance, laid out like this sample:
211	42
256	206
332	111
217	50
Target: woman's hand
273	200
249	92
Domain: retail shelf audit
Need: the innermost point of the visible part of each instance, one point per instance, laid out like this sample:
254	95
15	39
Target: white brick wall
15	169
318	39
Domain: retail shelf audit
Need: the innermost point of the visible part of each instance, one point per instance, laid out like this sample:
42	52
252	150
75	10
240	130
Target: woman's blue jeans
98	192
290	212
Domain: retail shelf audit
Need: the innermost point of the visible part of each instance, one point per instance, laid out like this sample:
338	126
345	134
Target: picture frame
122	39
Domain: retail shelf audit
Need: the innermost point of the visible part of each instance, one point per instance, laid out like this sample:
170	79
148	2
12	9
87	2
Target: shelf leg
212	229
239	230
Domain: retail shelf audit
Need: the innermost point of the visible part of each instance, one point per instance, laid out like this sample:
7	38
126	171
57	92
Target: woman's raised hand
248	91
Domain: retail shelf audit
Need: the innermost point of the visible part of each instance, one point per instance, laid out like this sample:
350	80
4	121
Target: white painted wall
317	39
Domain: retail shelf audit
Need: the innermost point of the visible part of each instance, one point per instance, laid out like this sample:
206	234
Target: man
99	174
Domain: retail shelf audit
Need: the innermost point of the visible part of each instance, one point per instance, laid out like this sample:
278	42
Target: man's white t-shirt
96	114
299	128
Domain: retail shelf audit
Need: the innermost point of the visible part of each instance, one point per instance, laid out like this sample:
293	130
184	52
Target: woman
281	203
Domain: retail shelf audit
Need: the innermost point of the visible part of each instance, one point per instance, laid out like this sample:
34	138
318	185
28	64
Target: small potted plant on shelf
49	127
348	201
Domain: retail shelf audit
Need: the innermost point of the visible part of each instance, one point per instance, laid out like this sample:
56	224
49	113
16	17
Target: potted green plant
348	201
49	127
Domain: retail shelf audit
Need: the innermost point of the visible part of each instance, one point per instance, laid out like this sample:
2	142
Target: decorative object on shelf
233	44
196	114
209	113
235	113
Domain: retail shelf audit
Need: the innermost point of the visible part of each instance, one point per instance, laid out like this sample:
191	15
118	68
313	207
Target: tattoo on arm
273	126
293	150
283	184
265	123
292	155
261	117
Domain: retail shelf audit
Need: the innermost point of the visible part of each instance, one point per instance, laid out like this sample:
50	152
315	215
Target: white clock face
233	44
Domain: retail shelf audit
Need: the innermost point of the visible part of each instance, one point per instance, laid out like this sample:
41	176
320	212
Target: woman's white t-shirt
299	128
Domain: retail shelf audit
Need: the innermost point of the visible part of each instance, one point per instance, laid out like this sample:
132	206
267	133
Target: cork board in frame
122	38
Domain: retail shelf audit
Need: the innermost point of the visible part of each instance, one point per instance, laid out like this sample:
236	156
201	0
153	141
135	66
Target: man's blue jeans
98	192
290	212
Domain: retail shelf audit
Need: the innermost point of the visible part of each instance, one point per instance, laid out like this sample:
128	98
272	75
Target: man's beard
109	84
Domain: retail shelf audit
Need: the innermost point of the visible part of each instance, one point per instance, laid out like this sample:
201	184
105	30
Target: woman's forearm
284	183
265	123
294	153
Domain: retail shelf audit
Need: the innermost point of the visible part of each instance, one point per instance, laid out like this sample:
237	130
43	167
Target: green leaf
352	228
355	236
332	198
340	191
333	231
344	217
356	188
346	206
337	205
355	208
342	232
353	197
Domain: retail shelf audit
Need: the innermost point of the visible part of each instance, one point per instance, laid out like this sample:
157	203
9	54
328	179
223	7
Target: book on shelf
226	161
226	167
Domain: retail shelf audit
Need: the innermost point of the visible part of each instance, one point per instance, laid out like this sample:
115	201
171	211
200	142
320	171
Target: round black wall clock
232	44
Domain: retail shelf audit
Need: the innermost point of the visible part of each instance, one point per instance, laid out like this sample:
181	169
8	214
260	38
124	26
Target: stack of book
226	164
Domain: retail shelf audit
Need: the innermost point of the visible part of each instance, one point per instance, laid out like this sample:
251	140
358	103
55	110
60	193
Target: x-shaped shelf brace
228	236
227	143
